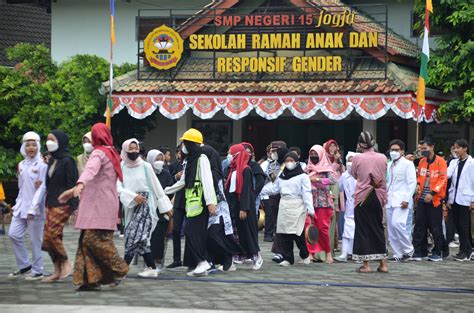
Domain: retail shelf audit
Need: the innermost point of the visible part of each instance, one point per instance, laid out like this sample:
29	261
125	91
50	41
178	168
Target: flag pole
109	105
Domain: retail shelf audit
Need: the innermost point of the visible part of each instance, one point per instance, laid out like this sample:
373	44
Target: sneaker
268	239
212	270
435	258
148	272
34	277
232	268
20	273
395	259
472	256
453	244
248	261
305	261
417	257
277	258
174	265
284	263
202	268
258	263
340	259
461	257
405	258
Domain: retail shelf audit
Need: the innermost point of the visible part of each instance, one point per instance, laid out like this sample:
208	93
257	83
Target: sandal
363	270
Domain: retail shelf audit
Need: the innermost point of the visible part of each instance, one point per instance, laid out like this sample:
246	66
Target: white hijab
151	157
26	137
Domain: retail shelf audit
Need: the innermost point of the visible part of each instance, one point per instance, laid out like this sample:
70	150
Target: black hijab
216	164
282	152
298	170
63	145
194	152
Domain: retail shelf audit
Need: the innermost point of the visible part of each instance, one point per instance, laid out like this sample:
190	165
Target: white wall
83	26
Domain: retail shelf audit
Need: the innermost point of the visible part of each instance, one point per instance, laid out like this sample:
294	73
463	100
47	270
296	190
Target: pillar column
182	125
371	126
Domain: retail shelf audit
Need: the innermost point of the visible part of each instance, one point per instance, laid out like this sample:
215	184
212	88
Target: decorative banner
237	107
337	108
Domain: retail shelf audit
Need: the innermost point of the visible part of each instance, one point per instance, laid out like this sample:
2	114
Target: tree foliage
41	96
451	65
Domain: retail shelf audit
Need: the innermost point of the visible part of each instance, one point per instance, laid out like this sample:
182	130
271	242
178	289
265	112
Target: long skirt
248	231
97	259
221	247
138	231
56	218
369	236
196	239
322	221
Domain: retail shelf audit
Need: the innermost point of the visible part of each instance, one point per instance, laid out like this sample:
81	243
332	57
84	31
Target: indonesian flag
425	56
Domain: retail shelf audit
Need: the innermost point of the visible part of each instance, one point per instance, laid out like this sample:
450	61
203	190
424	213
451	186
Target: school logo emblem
163	48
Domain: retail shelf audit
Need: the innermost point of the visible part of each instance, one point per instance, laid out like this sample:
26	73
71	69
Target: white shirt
204	174
465	194
347	183
401	182
31	200
295	187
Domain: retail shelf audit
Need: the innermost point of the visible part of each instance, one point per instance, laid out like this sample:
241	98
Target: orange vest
438	178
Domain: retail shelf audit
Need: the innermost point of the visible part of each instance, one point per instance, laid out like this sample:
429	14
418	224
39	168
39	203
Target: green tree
41	96
451	65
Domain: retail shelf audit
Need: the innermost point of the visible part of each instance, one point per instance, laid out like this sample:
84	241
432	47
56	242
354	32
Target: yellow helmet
193	135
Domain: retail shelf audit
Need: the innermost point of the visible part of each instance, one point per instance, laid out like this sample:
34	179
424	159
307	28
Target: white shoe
232	268
248	261
34	277
148	272
258	263
305	261
341	259
202	268
284	263
453	244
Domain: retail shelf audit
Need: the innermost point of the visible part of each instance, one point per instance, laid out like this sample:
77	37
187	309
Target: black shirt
460	167
64	177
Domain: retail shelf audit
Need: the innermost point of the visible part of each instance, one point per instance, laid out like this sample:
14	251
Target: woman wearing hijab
240	190
97	260
158	238
143	200
29	210
88	147
332	151
322	178
369	169
62	176
296	202
199	189
221	245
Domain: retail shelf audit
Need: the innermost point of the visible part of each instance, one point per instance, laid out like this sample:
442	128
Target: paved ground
446	286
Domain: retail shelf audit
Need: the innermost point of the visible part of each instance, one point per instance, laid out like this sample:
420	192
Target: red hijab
327	144
102	140
239	164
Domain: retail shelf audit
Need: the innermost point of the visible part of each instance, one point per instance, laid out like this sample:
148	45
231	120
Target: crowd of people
369	201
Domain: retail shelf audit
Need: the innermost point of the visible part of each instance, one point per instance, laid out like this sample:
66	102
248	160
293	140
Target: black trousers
178	219
450	227
195	248
286	244
158	239
429	218
275	205
462	220
269	230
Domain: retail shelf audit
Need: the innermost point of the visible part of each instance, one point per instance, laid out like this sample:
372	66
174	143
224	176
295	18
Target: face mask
290	166
158	165
349	165
314	159
88	147
394	155
455	156
132	155
184	149
274	156
425	153
230	157
52	146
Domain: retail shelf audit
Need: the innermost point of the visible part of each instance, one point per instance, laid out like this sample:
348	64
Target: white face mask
184	150
230	157
394	155
290	166
274	156
52	146
88	147
455	156
158	165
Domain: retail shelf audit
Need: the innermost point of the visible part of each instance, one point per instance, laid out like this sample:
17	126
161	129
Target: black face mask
425	153
314	159
132	155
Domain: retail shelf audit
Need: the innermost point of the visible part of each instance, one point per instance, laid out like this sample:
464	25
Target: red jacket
438	178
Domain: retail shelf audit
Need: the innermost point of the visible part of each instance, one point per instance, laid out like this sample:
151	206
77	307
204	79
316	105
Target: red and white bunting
334	107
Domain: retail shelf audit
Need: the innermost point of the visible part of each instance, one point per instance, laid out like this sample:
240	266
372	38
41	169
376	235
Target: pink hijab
323	166
126	148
